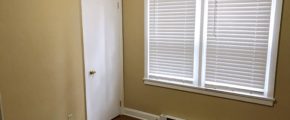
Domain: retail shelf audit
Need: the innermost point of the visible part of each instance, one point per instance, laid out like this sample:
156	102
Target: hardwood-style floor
123	117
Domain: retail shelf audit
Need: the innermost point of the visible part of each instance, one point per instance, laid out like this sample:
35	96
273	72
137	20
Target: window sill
212	92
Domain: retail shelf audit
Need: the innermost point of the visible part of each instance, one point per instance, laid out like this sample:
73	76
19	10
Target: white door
102	33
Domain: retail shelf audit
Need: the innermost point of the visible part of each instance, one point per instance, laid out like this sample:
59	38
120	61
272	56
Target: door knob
92	72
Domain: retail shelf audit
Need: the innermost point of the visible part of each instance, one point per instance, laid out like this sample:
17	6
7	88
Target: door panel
102	54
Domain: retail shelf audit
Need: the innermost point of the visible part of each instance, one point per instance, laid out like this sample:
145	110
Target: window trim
196	87
273	49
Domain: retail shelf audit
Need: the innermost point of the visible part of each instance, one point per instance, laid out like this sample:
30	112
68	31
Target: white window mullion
204	42
197	42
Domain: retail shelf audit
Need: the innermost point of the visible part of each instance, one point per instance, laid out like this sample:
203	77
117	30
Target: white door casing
102	39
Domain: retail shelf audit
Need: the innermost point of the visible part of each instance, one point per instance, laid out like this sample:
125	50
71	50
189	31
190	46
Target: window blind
171	39
236	46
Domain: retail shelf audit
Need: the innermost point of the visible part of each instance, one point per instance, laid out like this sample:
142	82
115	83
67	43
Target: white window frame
197	86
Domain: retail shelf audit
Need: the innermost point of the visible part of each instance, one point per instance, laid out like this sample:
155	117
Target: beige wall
41	70
190	105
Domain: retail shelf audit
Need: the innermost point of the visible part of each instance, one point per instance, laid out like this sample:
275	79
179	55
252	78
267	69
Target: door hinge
120	103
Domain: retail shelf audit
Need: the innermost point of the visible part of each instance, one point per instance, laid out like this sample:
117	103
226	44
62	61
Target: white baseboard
139	114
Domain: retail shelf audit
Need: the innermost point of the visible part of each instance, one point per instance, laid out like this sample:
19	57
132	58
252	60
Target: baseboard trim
139	114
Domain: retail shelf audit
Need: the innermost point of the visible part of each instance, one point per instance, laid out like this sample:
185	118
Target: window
225	48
